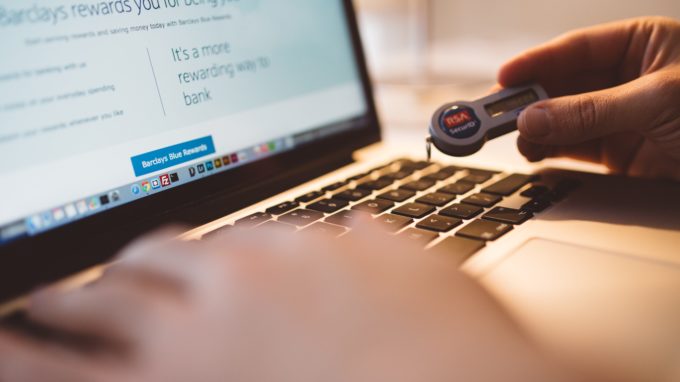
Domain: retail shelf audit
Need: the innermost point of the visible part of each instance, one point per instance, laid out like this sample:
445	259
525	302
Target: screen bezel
29	262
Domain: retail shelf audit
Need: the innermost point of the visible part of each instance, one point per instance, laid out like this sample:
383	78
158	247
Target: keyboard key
418	235
301	217
414	210
334	186
325	229
358	176
353	195
374	206
476	178
450	169
418	185
436	199
253	220
393	223
276	226
535	191
439	175
439	223
457	188
397	195
484	230
536	205
508	215
283	208
399	175
308	197
378	184
462	211
420	165
483	200
328	205
459	247
508	185
479	171
346	218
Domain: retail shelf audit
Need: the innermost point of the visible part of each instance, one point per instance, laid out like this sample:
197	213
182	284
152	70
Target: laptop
117	119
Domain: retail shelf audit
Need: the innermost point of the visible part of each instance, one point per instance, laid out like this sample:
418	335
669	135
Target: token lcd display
511	103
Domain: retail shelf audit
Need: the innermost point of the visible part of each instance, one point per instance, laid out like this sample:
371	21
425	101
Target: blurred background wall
424	51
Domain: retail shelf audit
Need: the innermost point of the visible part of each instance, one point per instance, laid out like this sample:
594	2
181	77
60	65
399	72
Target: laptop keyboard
458	209
455	209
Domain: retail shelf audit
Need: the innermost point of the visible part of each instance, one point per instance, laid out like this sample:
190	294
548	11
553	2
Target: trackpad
597	307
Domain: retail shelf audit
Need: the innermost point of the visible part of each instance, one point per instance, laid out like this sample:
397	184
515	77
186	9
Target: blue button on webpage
167	157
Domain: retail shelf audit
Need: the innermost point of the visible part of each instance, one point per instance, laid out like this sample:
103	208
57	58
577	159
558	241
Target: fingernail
534	123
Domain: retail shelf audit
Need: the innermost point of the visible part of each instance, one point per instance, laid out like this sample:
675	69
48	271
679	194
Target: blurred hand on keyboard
616	90
262	305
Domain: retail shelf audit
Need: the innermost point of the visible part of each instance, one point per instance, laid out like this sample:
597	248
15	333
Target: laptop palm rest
593	306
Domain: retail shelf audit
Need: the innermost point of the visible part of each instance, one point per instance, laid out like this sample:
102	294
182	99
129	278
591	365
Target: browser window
106	102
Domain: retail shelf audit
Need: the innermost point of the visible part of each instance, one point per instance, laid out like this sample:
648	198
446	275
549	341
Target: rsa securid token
461	128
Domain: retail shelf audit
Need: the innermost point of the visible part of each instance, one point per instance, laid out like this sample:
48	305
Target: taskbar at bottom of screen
67	213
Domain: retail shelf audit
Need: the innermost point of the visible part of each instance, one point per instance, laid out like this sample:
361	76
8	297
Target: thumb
634	106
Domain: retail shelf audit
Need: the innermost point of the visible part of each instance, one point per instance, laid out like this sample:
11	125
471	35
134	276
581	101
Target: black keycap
421	165
334	186
301	217
508	215
418	235
536	205
375	206
283	208
378	184
399	175
484	230
535	191
397	195
328	205
414	210
459	247
457	188
462	211
562	189
322	228
439	175
353	195
438	199
483	200
476	178
253	220
508	185
439	223
479	171
346	218
276	226
393	223
419	185
450	169
308	197
358	176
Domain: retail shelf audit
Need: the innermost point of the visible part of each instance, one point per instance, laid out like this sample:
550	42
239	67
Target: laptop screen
104	103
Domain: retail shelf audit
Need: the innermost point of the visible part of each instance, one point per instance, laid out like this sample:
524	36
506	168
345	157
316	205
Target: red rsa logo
457	119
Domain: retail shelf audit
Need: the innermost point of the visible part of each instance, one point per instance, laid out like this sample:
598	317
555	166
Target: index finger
583	51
